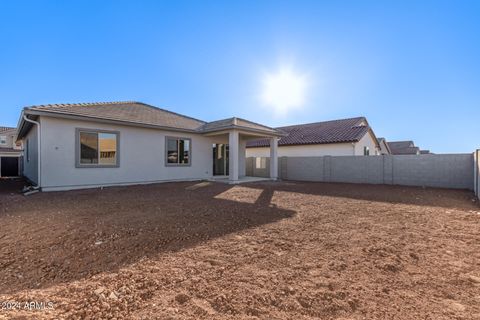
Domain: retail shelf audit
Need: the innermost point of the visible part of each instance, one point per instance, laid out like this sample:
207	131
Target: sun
284	91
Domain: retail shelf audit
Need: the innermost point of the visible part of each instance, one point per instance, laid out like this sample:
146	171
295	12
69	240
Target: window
260	163
97	148
178	151
3	139
366	151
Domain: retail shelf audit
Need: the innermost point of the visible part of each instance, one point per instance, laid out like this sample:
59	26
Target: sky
411	67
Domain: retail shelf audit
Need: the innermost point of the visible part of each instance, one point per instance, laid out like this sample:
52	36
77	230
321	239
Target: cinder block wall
476	174
433	170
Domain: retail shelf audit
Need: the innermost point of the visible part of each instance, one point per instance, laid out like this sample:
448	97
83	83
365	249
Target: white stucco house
73	146
10	153
344	137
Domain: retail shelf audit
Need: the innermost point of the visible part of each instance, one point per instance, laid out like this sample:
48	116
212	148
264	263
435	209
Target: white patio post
273	158
233	155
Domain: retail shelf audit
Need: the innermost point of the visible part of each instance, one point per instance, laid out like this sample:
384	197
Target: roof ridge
318	122
79	104
165	110
256	123
42	106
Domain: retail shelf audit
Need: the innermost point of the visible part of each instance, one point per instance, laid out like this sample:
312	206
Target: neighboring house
345	137
384	148
72	146
10	153
403	148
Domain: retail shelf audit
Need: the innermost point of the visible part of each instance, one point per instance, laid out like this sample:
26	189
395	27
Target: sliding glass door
220	159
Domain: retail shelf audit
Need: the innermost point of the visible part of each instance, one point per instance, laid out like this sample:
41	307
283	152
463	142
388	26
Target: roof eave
274	132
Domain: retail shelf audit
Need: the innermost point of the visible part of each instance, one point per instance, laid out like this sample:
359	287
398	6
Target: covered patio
229	141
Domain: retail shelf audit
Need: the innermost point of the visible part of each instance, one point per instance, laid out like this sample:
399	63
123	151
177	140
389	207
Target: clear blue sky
411	67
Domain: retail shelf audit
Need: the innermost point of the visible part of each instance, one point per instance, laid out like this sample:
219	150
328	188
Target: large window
3	139
97	148
178	151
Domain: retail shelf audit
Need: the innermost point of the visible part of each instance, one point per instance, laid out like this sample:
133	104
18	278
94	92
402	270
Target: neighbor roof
384	141
335	131
408	150
400	144
403	147
6	129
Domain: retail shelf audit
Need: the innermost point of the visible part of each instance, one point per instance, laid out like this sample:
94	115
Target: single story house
403	148
84	145
344	137
10	153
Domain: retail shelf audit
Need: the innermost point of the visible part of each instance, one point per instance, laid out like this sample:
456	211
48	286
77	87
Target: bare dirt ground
257	251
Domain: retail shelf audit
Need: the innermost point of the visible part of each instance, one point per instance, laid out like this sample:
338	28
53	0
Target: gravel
286	250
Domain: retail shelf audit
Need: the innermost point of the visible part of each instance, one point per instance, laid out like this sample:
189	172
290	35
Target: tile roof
234	122
408	150
6	129
335	131
144	114
127	111
400	144
8	150
403	147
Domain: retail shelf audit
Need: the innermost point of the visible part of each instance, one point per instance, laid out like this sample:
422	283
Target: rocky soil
284	250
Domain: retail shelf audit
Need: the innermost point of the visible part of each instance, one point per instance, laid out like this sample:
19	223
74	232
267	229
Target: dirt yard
257	251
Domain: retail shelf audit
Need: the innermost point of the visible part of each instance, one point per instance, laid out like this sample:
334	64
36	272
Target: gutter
39	157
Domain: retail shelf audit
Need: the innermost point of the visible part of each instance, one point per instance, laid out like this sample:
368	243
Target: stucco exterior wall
366	141
141	156
319	150
314	150
9	143
30	159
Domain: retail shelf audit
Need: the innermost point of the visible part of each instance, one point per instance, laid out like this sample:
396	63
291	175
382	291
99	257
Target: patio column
273	158
233	146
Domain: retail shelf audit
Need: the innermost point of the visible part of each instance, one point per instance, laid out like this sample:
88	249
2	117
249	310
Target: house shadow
60	237
458	199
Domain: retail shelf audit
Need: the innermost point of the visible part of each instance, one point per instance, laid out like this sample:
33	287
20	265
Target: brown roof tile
128	111
7	129
335	131
141	113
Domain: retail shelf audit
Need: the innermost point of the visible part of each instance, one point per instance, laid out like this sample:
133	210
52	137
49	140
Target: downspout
39	159
353	147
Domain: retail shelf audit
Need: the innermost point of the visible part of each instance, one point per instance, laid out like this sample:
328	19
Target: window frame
167	164
366	151
4	138
78	164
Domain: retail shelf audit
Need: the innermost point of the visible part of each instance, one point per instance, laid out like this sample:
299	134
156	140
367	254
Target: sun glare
284	91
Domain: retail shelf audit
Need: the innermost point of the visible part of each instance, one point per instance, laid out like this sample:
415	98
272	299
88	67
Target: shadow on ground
51	238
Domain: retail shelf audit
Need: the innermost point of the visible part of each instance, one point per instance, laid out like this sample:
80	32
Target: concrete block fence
432	170
476	175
